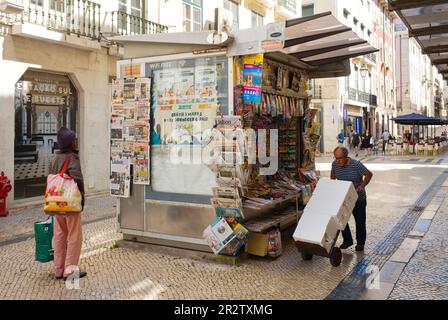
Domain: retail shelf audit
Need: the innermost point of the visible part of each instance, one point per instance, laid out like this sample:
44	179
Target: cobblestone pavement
426	274
123	273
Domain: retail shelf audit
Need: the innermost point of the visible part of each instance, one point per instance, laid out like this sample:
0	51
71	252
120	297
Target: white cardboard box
317	229
335	198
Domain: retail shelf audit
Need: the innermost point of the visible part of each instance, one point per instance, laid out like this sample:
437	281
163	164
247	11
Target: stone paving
123	273
426	274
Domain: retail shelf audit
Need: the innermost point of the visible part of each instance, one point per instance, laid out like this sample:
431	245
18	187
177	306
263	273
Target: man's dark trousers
359	213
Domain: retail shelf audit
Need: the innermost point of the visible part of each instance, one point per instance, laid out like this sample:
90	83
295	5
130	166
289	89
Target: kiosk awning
320	43
427	22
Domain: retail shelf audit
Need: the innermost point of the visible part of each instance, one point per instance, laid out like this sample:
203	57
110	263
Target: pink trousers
67	242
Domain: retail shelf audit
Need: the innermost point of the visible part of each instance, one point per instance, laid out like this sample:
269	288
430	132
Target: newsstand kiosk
194	85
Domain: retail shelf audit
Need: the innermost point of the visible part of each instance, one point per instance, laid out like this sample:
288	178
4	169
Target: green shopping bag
43	233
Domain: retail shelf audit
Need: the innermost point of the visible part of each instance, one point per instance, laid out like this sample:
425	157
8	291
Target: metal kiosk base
308	250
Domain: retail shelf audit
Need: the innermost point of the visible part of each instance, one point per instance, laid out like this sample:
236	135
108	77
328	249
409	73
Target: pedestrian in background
67	234
340	138
347	169
366	143
386	138
355	143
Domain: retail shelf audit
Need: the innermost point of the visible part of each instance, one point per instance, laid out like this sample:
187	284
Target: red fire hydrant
5	188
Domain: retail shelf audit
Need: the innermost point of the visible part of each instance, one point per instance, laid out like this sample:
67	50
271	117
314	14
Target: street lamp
364	70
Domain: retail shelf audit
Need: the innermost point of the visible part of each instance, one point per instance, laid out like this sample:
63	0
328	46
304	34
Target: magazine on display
120	173
141	163
218	235
117	91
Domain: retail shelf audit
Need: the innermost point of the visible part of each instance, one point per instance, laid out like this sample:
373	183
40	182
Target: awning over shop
320	43
417	119
427	21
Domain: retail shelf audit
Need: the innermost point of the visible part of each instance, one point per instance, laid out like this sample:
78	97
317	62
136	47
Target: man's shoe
346	245
82	274
359	247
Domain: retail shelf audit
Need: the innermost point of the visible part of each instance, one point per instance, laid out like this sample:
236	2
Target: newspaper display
129	134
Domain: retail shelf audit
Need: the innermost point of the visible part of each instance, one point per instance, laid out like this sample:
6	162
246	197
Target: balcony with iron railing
82	18
125	24
361	96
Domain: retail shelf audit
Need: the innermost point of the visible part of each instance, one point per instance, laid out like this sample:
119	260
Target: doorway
44	102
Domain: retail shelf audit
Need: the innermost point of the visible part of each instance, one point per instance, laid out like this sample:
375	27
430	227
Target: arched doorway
44	102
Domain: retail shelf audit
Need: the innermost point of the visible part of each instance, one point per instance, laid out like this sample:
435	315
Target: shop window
187	94
38	3
192	13
234	8
308	10
257	20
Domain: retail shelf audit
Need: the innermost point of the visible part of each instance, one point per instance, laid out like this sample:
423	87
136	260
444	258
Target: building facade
56	67
198	15
419	85
361	101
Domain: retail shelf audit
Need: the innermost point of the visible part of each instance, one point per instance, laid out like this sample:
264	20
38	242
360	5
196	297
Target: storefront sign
130	70
51	100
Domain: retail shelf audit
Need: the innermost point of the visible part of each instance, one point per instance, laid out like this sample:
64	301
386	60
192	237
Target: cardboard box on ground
327	212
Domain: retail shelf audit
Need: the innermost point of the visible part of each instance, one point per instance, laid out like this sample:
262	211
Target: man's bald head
340	152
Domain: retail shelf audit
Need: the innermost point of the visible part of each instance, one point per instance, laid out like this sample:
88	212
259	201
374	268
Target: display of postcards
227	203
230	171
231	158
117	91
141	163
229	182
206	84
129	89
228	122
143	88
230	193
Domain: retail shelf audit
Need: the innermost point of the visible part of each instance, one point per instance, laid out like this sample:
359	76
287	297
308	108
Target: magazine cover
120	173
117	91
143	88
141	163
129	109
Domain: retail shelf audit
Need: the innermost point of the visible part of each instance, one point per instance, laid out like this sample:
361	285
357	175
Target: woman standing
366	142
67	236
